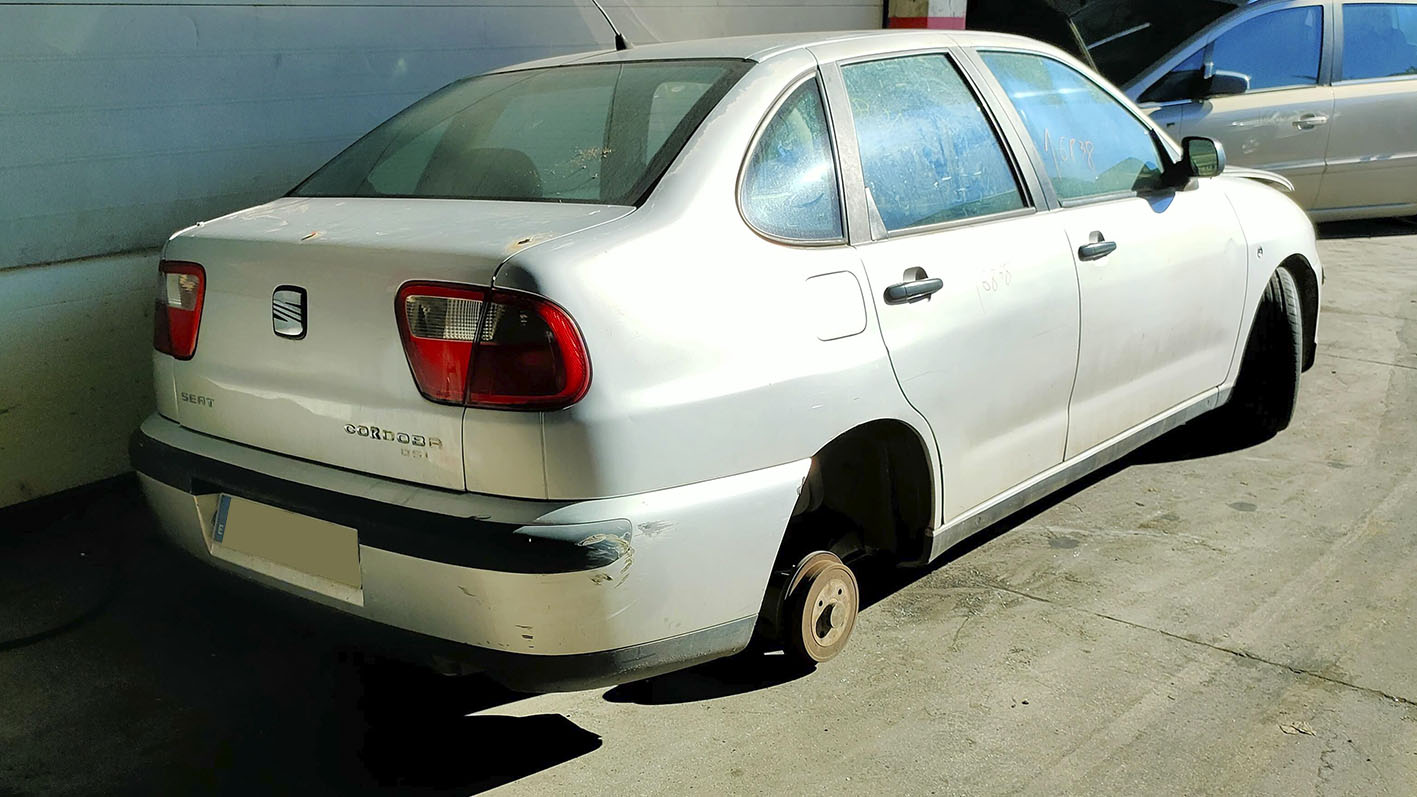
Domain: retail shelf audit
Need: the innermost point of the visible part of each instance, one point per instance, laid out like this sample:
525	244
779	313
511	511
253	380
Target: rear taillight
491	348
178	312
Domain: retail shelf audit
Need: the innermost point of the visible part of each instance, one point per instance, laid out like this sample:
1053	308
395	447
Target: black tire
1267	389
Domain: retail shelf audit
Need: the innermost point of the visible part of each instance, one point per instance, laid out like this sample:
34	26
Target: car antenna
620	42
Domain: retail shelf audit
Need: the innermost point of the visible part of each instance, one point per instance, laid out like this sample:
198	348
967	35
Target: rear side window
789	186
1275	50
598	133
1379	40
1091	144
928	152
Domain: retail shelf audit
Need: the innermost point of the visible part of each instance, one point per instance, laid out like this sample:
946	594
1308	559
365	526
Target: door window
1379	40
928	152
789	187
1181	83
1275	50
1091	144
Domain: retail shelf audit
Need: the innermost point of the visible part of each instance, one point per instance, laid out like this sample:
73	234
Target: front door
974	287
1282	122
1161	273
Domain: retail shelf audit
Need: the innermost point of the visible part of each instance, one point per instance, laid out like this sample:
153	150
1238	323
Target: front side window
928	152
598	133
1091	144
1275	50
1379	40
1181	83
789	186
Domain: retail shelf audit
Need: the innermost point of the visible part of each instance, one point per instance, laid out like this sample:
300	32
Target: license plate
286	544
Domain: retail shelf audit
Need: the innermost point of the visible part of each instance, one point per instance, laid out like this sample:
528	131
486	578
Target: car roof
764	47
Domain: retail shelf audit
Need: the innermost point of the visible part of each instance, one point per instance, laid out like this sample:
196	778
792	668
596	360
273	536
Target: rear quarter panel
706	346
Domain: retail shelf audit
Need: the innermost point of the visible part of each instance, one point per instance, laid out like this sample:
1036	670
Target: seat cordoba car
593	368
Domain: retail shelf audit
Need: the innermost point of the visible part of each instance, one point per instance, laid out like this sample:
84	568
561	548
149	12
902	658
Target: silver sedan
597	367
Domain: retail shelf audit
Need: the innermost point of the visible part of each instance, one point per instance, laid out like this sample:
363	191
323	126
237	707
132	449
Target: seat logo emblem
288	312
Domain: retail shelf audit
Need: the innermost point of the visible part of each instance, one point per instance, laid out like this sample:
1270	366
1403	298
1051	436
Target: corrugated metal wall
123	121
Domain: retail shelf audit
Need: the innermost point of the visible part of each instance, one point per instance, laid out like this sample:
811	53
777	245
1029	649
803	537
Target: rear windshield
597	133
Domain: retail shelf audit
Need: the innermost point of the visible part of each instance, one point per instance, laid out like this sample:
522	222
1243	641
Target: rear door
975	291
1372	151
1161	273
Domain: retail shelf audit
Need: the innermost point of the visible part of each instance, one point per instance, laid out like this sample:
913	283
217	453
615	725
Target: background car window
928	152
1090	143
789	187
1275	50
583	133
1379	40
1181	83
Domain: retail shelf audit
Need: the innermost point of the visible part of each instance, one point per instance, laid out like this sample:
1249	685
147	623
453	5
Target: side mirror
1203	157
1225	84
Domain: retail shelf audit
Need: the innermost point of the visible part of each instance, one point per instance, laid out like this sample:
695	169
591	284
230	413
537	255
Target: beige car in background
1322	92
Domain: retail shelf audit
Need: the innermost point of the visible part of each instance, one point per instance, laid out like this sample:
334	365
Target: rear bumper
543	595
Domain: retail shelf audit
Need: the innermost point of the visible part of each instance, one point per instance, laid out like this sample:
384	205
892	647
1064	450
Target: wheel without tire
820	611
1267	389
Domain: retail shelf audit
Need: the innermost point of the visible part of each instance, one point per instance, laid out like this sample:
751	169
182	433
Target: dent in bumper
632	574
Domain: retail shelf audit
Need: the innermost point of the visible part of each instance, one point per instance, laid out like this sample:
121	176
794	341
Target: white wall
120	122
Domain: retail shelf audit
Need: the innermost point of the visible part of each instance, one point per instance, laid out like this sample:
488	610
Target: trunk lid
340	392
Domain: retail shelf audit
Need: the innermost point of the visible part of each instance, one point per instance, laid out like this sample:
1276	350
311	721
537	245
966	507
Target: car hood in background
1120	38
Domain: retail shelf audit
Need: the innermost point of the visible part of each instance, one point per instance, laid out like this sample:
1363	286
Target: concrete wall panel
75	371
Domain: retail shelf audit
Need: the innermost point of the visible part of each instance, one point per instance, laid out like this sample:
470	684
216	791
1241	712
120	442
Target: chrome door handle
913	290
1309	121
1096	250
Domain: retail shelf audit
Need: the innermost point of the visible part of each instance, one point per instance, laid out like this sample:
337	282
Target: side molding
956	531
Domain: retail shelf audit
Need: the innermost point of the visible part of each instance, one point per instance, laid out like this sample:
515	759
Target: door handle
1096	250
913	290
1309	121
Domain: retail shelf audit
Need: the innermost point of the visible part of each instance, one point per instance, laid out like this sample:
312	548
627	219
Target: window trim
1340	39
767	118
1162	142
1026	188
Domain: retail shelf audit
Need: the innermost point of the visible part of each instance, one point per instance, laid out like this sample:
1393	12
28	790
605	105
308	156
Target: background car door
1372	152
1282	122
986	351
1161	273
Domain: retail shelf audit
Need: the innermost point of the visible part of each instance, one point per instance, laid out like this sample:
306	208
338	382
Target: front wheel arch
1308	284
1266	390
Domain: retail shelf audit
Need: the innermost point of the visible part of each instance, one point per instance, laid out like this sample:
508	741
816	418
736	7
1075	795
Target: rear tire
1267	389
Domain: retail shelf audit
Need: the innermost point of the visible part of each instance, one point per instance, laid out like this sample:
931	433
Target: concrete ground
1196	620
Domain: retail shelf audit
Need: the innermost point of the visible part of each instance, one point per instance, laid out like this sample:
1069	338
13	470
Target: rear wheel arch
872	488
